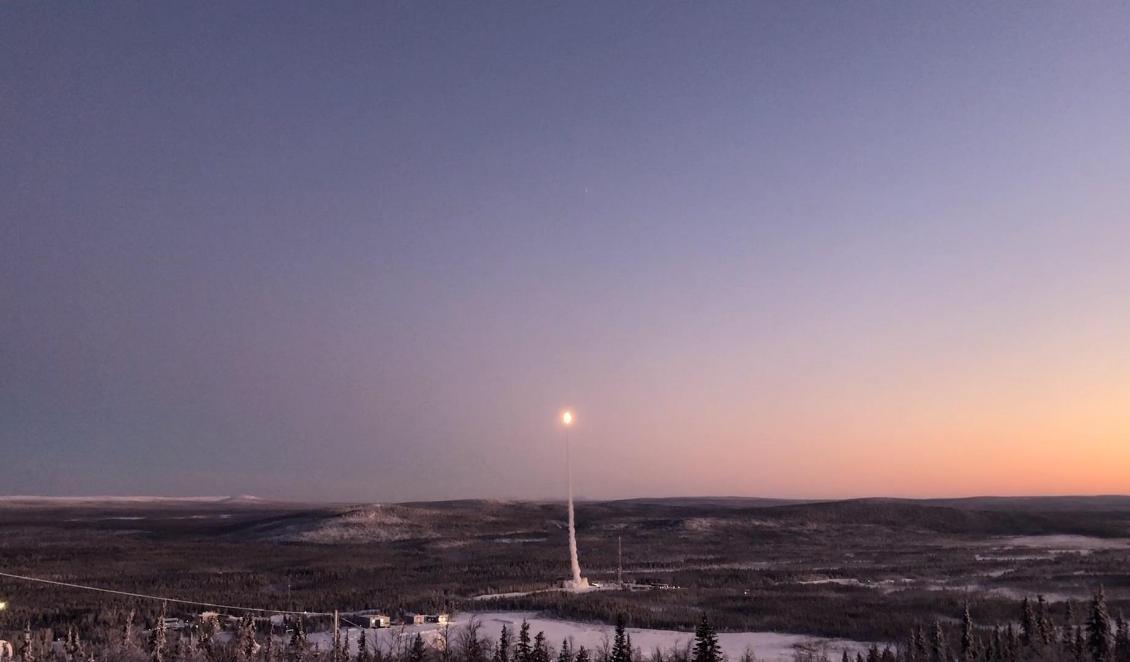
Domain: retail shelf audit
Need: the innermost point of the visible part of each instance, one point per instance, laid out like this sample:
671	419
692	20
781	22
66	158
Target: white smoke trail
573	560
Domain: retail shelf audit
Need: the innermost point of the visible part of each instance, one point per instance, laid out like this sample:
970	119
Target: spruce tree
938	644
706	648
1044	622
418	652
582	655
363	648
1068	641
502	653
1121	640
1027	624
1098	629
620	651
523	650
845	657
921	649
565	654
540	653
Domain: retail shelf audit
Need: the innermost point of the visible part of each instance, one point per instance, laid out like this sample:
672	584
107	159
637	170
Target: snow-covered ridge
85	500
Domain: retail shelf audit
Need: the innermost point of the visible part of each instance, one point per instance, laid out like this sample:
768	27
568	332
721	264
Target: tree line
1037	635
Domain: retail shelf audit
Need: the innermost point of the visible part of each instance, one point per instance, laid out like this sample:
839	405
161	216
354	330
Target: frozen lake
765	645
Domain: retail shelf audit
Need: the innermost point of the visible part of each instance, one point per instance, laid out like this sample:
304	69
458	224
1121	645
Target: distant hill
926	515
713	502
1113	502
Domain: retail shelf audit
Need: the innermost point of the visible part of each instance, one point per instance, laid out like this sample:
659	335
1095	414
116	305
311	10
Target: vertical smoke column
578	582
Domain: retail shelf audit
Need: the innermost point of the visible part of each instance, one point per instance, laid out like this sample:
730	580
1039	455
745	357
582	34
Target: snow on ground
375	523
767	646
1063	544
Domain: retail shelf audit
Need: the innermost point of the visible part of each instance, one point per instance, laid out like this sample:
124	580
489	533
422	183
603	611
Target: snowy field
1065	544
765	645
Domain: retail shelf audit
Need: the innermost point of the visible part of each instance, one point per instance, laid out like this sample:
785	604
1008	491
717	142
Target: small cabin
441	618
415	619
375	620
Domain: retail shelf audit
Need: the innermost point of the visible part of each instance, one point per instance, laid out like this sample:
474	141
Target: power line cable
162	598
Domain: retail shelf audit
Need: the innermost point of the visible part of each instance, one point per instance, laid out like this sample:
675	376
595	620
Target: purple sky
369	250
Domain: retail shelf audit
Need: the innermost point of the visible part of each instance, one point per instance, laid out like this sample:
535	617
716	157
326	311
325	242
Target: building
440	618
374	620
415	619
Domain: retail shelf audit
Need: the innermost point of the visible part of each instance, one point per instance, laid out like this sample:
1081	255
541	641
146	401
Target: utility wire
161	598
177	600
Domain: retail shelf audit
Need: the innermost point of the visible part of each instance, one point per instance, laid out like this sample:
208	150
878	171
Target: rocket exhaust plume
578	583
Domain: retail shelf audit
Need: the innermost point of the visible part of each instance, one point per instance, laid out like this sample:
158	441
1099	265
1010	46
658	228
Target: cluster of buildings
365	619
371	620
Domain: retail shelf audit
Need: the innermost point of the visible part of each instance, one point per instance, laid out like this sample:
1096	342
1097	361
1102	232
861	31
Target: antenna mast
620	561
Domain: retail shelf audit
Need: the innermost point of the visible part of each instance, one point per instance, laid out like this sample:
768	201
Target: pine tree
363	648
1121	640
502	653
523	651
582	655
938	644
845	657
873	653
540	652
918	643
1068	642
1044	622
706	648
620	651
968	643
418	652
565	654
1027	624
1098	629
157	638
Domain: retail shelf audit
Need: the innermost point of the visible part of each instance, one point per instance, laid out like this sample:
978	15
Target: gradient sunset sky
368	251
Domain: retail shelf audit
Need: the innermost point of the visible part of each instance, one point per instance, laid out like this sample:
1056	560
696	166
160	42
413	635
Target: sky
369	251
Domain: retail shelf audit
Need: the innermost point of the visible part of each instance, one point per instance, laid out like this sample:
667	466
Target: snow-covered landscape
765	645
